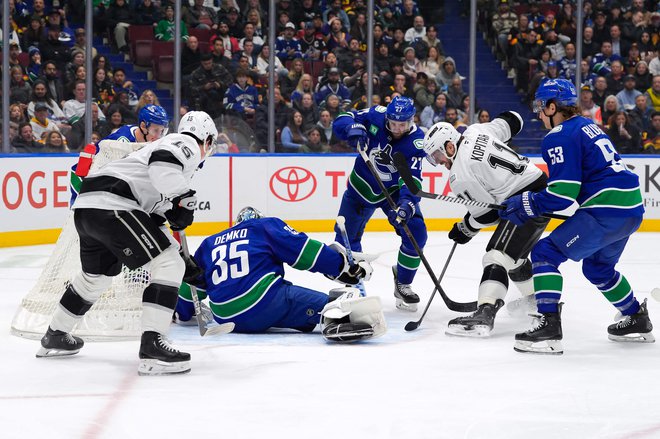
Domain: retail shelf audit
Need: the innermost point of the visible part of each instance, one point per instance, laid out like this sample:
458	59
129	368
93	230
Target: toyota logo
292	184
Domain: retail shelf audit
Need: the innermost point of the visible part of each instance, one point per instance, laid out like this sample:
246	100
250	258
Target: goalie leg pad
352	314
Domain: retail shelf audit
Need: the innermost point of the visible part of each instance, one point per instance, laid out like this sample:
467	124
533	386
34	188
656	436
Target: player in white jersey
119	216
484	168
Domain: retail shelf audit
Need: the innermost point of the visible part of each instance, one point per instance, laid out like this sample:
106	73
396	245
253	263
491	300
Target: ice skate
522	306
479	324
406	299
59	344
157	357
634	328
544	338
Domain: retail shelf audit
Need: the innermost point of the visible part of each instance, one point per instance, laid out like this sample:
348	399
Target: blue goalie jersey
243	265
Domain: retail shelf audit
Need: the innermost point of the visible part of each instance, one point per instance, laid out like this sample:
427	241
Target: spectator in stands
425	95
164	30
653	93
398	43
308	109
652	135
115	120
359	91
502	22
387	19
410	64
646	47
262	63
225	145
334	86
293	137
316	142
427	41
53	81
119	17
305	85
234	23
14	51
346	55
229	43
148	13
80	42
122	102
308	9
77	60
254	17
74	108
624	135
417	31
24	142
40	122
602	61
335	9
208	84
455	93
555	43
383	60
615	77
336	36
80	74
120	83
54	142
250	35
633	58
587	105
406	14
311	45
609	109
568	64
447	73
76	139
35	34
56	17
566	23
431	64
589	46
600	92
643	77
552	70
148	97
483	116
399	87
628	94
200	16
218	54
241	98
289	82
641	114
17	114
619	45
333	104
101	61
190	56
359	30
102	91
452	117
39	10
600	28
434	113
19	89
588	77
325	125
287	46
34	66
41	94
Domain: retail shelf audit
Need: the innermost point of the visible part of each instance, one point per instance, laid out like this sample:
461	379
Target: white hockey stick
204	328
341	224
655	293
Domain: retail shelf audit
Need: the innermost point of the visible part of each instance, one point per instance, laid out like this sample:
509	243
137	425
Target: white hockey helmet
436	139
200	125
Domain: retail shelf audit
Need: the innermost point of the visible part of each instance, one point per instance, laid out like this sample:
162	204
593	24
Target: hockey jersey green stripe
409	262
618	291
308	255
75	181
548	282
565	189
365	191
247	300
185	292
615	198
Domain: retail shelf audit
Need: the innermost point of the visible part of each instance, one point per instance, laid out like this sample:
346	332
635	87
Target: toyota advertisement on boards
302	189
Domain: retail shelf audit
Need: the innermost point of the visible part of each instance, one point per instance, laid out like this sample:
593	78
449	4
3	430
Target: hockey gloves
462	232
193	271
402	215
357	134
182	213
520	208
351	274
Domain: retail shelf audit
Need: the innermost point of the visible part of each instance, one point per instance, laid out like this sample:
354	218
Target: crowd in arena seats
320	66
619	69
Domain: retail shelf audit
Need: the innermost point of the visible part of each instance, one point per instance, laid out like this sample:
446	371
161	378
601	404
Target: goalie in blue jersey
384	131
242	272
584	168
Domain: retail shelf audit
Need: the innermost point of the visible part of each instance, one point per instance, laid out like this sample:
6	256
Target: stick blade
411	326
224	328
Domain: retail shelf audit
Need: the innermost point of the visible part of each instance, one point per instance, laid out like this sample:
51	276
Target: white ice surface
420	384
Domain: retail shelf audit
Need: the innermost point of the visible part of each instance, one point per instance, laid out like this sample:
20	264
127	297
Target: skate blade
636	337
46	352
547	347
150	367
410	307
474	331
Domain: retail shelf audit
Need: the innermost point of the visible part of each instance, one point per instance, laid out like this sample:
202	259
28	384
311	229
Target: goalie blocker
351	317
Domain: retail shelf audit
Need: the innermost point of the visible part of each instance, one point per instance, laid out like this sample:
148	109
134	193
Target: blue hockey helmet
560	91
248	213
153	114
400	111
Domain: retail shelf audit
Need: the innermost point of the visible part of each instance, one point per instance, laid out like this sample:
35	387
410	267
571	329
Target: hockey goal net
117	313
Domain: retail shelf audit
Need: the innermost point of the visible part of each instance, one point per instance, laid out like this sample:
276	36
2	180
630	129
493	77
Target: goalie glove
352	318
352	274
182	213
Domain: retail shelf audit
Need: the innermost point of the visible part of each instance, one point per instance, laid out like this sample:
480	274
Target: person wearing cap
234	22
164	30
229	43
334	86
40	122
627	96
312	44
553	70
287	46
387	19
588	106
503	20
57	17
14	51
199	16
81	42
410	63
601	28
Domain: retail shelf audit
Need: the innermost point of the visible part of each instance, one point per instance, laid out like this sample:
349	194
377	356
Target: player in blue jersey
152	125
243	276
584	168
384	131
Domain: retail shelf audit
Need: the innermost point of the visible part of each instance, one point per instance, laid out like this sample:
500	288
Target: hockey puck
655	293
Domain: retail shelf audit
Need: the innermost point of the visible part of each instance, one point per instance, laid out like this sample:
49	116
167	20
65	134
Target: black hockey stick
454	306
404	171
204	328
411	326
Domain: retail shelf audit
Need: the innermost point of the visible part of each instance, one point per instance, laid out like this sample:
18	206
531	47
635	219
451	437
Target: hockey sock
407	266
158	303
71	309
619	293
548	284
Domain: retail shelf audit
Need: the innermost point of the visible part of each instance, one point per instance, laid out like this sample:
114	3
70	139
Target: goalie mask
248	213
435	142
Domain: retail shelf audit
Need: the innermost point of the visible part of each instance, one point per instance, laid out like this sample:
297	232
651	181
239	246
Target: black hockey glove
182	213
193	271
461	233
351	274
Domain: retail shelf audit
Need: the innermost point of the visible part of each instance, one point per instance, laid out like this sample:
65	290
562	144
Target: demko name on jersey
231	235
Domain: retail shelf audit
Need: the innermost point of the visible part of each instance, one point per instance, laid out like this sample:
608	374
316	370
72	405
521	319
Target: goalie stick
411	326
404	171
452	305
204	328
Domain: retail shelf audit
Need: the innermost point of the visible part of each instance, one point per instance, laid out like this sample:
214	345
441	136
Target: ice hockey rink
421	384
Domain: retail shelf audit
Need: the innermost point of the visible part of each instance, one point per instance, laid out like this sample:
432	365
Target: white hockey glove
352	274
351	317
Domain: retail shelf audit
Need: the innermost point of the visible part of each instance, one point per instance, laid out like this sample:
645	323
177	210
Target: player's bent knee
352	318
597	273
496	257
90	286
522	272
168	267
545	251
